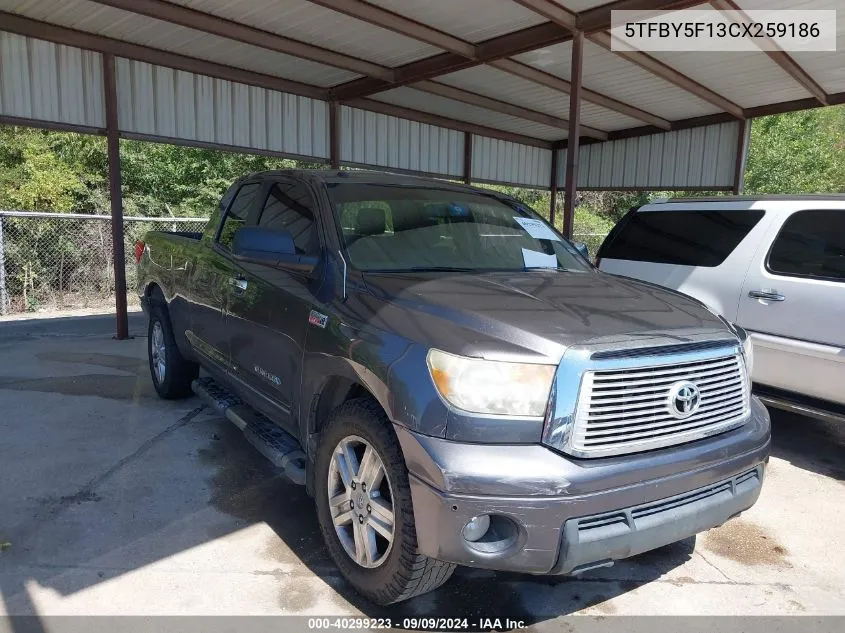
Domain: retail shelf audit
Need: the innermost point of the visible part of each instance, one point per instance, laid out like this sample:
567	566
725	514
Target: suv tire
401	572
172	374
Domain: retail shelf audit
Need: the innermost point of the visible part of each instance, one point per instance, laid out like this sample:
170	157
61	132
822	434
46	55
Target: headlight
484	386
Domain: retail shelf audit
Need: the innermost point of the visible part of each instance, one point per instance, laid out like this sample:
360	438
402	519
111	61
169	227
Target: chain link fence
63	261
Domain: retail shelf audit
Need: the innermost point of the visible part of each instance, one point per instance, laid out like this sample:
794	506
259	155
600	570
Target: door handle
240	284
766	295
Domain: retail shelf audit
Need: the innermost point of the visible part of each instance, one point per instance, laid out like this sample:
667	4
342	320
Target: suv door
793	301
212	278
268	317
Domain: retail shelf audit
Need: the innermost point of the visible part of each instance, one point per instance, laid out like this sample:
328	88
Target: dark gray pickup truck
451	379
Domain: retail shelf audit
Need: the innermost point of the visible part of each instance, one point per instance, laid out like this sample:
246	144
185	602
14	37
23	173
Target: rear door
700	249
268	316
793	300
212	278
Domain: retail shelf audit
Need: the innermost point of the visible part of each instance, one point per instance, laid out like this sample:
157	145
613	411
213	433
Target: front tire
172	374
364	507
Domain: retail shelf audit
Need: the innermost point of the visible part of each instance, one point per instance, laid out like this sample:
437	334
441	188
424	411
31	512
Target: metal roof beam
532	38
399	24
671	75
81	39
562	85
441	121
207	23
551	11
598	18
495	105
780	57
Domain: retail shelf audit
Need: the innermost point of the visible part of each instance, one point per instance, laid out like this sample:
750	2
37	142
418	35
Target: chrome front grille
641	407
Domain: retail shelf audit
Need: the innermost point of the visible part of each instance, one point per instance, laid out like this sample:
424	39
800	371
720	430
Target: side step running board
277	445
801	408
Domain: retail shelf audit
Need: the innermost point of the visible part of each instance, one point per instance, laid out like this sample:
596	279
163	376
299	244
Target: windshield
405	228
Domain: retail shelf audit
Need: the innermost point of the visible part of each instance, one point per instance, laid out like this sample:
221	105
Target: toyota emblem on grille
684	398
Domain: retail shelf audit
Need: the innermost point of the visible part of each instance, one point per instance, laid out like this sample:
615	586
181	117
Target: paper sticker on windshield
537	229
533	259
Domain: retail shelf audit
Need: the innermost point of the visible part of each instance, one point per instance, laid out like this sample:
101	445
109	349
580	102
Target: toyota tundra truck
451	379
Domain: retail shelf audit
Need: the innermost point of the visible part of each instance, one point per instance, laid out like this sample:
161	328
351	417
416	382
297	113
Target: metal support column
467	157
113	151
741	155
334	134
574	132
553	185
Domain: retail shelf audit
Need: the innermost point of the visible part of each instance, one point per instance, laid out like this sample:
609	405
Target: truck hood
537	315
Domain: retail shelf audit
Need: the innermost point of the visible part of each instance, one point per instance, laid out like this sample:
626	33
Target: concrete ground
115	502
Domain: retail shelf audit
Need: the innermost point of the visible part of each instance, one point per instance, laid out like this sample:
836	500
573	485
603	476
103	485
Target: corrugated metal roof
139	29
169	103
747	79
307	22
495	160
613	76
471	20
504	86
42	80
425	102
369	138
698	157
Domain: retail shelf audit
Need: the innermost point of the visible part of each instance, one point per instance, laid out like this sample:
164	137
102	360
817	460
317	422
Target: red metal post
574	132
113	151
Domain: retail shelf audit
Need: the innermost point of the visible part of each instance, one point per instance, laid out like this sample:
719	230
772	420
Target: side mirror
271	247
582	248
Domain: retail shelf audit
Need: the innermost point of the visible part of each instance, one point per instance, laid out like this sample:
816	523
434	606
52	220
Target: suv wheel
364	507
172	374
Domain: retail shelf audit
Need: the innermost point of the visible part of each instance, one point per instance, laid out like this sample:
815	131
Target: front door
268	317
212	278
793	302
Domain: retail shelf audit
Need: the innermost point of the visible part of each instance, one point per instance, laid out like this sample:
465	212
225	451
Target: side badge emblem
320	320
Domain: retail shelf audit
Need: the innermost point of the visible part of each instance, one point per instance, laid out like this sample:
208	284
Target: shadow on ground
808	443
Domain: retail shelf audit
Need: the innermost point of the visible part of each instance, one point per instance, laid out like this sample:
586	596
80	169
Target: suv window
237	213
289	207
811	244
683	238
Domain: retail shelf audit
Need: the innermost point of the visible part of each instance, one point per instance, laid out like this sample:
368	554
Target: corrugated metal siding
369	138
172	103
45	81
495	160
701	157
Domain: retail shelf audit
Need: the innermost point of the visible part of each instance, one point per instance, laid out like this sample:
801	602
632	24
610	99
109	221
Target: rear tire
172	374
394	570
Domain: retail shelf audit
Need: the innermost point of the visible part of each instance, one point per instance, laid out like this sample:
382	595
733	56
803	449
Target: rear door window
682	238
236	214
810	244
289	207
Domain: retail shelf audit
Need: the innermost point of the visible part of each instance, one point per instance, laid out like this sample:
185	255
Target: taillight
139	250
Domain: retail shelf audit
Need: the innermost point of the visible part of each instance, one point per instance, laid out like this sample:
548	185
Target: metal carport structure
490	91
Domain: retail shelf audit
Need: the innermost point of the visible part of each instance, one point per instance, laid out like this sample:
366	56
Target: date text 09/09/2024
416	624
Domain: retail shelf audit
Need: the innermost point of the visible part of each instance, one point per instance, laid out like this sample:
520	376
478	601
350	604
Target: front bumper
565	514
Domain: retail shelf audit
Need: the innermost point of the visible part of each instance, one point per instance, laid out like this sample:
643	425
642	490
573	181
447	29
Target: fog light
476	527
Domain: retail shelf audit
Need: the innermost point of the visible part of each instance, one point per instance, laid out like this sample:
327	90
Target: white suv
774	265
